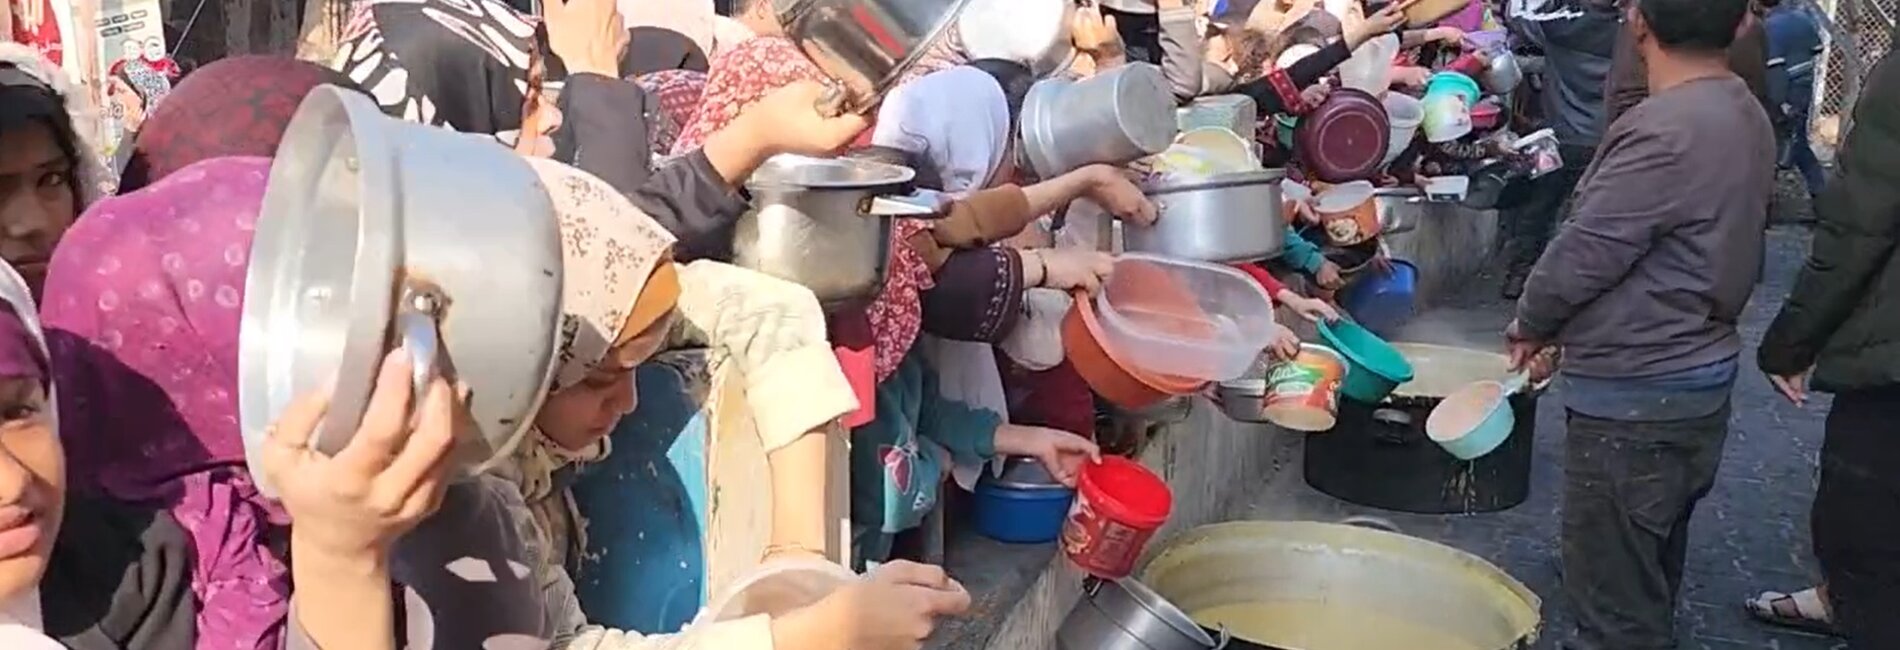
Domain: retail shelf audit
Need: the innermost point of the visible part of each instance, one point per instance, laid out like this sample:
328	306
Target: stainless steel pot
1115	117
1127	615
371	237
1225	218
1400	208
1237	113
1243	400
866	45
1026	473
826	223
1503	74
1317	586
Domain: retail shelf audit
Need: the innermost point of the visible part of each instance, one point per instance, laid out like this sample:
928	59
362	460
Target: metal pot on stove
825	223
1127	615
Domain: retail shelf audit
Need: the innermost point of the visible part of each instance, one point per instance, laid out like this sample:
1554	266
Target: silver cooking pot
1114	117
1127	615
377	233
1224	218
825	223
866	45
1503	74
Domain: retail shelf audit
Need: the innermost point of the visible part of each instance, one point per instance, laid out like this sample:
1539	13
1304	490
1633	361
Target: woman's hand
1060	452
896	607
1407	76
1117	195
1073	268
588	35
1385	21
390	477
1316	94
787	120
1445	35
1311	309
1094	33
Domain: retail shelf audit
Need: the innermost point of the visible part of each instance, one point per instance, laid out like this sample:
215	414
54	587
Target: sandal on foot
1801	610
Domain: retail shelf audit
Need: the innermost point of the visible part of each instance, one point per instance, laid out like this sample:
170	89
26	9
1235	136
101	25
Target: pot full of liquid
1281	585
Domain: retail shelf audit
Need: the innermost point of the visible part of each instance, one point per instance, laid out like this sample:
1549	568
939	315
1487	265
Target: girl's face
580	415
32	484
38	201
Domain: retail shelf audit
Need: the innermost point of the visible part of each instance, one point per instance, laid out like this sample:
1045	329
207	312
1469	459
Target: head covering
142	306
235	107
956	119
612	256
617	279
22	354
727	34
653	49
94	179
679	92
462	64
740	77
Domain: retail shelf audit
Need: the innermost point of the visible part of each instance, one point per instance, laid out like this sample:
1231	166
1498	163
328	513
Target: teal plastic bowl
1374	367
1283	130
1454	82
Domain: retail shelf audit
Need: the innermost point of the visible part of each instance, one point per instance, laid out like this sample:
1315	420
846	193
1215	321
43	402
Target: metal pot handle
1389	421
1375	523
416	329
1224	638
835	102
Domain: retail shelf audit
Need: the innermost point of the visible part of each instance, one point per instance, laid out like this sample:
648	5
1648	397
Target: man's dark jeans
1530	225
1857	516
1629	489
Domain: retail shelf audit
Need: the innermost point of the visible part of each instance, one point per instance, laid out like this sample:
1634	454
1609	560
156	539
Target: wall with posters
130	69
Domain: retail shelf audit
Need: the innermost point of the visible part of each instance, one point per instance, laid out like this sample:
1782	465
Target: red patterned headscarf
678	92
234	107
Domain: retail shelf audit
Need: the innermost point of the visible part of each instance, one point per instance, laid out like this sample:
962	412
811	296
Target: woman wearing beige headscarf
621	297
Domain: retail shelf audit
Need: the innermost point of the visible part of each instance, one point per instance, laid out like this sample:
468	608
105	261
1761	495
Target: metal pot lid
1345	138
793	171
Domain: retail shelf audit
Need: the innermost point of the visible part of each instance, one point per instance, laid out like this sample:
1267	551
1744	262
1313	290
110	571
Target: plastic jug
1370	68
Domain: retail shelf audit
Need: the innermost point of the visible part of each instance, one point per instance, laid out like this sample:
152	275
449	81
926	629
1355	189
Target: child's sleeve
969	433
1300	253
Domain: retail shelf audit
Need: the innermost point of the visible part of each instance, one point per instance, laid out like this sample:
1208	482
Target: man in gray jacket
1642	288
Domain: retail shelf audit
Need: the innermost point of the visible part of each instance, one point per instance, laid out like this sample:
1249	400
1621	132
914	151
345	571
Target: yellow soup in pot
1317	625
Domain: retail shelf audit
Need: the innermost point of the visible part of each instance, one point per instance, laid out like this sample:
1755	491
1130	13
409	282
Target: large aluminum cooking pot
1224	218
377	233
825	223
1115	117
866	45
1127	615
1315	586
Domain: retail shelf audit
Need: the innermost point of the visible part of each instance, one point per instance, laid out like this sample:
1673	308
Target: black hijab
657	49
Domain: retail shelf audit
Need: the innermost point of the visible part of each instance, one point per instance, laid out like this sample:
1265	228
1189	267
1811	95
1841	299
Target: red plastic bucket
1118	505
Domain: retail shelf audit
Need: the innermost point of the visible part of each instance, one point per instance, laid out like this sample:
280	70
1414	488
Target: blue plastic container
1021	515
1383	301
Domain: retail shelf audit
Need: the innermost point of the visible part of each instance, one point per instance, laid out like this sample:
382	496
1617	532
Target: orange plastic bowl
1126	387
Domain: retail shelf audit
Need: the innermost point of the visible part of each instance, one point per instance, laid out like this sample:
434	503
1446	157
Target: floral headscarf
142	308
616	274
738	78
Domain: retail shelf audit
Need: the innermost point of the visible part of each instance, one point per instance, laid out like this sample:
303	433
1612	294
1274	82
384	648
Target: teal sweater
1300	253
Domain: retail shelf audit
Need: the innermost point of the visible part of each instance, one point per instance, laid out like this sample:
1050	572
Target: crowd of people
130	517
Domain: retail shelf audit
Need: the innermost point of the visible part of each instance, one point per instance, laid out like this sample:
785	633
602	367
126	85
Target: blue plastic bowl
1383	301
1021	515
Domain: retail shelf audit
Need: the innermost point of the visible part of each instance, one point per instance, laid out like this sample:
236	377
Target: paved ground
1750	534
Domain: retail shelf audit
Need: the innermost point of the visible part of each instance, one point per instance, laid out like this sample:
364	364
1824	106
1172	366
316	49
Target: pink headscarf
142	309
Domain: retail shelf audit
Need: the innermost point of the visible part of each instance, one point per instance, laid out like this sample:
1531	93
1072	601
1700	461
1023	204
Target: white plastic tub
1404	113
1181	318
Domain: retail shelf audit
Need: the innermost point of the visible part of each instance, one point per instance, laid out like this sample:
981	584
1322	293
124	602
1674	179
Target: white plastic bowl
1181	318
